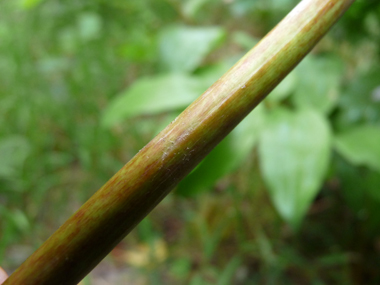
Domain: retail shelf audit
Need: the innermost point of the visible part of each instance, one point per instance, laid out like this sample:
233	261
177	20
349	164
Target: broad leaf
211	73
284	89
226	157
318	84
183	48
153	95
294	154
244	40
361	146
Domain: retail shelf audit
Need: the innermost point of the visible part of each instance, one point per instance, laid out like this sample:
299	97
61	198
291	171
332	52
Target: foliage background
291	196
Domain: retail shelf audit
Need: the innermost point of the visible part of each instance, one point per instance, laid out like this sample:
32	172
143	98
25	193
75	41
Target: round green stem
108	216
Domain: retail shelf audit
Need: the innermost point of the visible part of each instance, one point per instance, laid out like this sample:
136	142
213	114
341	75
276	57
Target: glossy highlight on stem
113	211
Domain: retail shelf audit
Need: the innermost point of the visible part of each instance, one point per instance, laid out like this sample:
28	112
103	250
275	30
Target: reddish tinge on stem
107	217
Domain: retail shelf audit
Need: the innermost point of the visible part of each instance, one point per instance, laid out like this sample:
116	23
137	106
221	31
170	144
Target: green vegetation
290	196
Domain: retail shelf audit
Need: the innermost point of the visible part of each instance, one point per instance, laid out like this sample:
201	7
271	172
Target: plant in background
291	129
122	202
98	47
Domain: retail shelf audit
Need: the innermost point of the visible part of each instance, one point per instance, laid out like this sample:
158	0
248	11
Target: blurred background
291	196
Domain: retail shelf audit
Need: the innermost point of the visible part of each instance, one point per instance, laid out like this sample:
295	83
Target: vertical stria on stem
112	212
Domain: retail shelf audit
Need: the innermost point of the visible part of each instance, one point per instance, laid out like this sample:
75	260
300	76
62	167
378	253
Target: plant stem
112	212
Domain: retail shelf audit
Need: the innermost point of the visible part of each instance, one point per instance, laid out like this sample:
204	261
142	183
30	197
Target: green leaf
361	146
318	84
360	102
139	46
294	155
284	89
211	73
19	220
13	152
180	267
89	26
226	276
191	7
225	157
165	121
360	188
29	4
244	40
284	5
153	95
184	48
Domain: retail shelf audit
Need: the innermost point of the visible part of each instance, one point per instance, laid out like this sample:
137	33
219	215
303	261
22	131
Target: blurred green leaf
180	267
19	220
284	5
89	26
244	40
191	7
183	48
211	73
166	120
294	154
372	24
262	8
360	102
228	273
226	156
13	152
243	7
361	146
318	84
153	95
29	4
13	223
139	46
284	89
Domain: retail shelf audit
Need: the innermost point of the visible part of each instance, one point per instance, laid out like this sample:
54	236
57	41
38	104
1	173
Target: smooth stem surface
108	216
